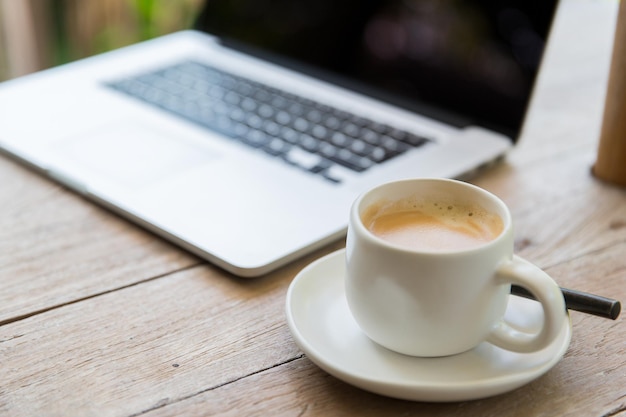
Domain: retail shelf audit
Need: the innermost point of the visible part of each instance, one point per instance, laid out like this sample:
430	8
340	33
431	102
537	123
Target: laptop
246	139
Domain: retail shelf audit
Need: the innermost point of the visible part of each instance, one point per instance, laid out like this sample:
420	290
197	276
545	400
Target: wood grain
300	388
98	317
146	345
142	346
55	247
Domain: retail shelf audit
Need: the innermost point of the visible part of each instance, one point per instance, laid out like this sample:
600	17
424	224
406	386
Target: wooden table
99	317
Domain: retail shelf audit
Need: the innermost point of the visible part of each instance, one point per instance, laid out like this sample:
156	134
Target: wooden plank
589	381
559	210
197	327
147	345
56	247
299	388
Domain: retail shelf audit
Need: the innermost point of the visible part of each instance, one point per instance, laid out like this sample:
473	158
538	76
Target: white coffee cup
441	300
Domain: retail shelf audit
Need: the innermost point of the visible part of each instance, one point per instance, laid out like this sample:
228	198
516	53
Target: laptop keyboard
301	132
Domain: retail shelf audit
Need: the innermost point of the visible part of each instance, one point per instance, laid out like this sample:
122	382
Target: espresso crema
433	225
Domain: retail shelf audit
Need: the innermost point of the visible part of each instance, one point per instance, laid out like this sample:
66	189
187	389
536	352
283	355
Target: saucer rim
420	389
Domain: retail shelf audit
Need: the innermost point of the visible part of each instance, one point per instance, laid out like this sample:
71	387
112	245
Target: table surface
99	317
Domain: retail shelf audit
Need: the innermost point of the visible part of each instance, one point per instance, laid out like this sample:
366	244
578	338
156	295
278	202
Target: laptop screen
466	62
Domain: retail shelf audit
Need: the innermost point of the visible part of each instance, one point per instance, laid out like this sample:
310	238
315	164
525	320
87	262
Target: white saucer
323	327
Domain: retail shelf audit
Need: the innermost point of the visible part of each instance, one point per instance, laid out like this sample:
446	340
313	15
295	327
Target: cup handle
546	291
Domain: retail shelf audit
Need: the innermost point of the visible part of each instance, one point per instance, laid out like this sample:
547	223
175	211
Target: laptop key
303	159
352	161
361	148
351	129
283	118
271	128
256	138
322	166
290	135
309	143
276	147
415	140
378	154
339	139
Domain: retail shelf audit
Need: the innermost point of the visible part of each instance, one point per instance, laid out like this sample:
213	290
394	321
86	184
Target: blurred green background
66	30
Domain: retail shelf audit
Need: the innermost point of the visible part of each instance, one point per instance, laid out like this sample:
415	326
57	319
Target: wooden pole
610	164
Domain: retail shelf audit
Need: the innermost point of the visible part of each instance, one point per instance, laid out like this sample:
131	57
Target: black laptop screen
475	59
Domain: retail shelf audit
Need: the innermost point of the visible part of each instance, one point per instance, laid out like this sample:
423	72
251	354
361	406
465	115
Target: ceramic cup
440	301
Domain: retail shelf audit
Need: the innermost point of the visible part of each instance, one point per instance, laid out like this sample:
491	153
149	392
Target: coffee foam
432	225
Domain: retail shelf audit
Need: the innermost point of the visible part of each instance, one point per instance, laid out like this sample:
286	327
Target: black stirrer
581	301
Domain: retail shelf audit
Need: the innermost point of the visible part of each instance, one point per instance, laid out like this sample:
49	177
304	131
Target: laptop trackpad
131	155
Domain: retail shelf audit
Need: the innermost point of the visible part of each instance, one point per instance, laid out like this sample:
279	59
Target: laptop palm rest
132	155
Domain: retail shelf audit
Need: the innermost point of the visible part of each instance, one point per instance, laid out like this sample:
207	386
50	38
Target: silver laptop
245	141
